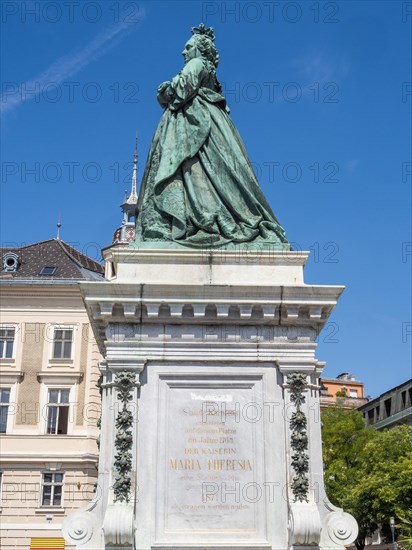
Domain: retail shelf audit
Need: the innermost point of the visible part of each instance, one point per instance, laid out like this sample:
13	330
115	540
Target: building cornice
67	377
22	288
74	458
10	377
402	417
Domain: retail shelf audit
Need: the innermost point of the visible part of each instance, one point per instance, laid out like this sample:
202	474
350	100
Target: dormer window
11	262
48	270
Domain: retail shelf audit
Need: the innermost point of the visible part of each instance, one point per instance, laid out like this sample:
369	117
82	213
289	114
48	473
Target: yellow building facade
49	401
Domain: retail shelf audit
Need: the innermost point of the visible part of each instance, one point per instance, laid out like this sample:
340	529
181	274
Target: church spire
133	195
129	210
126	232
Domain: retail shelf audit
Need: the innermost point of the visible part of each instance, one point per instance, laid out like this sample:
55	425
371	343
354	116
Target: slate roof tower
126	232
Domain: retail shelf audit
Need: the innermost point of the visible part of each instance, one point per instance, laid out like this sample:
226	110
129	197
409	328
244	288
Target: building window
353	393
388	405
4	408
48	270
11	262
371	416
62	344
378	413
403	400
52	489
6	342
58	411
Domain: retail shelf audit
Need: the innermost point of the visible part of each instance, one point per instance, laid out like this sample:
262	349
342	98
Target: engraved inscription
207	457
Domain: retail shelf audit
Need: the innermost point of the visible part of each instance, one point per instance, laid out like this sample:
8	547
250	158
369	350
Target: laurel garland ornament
299	437
124	383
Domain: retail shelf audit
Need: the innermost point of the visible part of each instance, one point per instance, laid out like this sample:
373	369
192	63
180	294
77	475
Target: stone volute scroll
119	526
304	516
116	528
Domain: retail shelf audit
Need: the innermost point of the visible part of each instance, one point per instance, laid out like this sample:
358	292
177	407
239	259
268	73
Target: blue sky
320	92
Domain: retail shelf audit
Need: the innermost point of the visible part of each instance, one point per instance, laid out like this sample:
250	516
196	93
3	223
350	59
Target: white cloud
68	65
321	72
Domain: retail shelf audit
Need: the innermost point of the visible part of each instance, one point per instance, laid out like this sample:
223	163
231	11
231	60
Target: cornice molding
64	376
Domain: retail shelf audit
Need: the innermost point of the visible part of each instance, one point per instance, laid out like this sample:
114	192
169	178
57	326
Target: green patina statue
199	188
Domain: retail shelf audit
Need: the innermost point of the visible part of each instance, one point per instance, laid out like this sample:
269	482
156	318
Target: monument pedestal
210	403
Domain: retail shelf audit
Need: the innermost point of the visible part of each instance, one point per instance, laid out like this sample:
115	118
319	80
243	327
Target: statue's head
201	45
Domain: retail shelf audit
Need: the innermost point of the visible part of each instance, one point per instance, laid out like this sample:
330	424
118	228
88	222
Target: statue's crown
202	30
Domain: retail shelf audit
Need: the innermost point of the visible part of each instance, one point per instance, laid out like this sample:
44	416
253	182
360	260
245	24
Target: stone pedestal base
210	422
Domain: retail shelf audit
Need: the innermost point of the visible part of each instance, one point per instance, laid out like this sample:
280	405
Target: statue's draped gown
199	188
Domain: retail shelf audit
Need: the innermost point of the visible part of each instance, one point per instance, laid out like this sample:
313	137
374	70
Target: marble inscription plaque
211	457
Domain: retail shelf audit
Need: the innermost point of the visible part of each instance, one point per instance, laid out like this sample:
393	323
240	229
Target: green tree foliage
405	527
367	472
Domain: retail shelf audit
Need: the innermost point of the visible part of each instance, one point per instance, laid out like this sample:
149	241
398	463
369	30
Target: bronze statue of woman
199	188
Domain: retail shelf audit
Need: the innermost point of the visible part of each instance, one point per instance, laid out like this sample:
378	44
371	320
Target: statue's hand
164	95
162	87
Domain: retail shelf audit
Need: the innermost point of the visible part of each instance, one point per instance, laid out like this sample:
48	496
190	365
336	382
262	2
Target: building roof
388	394
68	262
392	408
341	382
